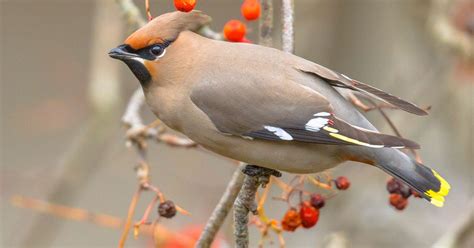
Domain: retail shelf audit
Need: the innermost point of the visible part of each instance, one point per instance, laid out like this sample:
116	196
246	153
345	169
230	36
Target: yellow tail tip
437	197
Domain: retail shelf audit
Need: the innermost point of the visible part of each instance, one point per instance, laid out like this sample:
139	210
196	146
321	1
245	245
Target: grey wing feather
340	80
283	112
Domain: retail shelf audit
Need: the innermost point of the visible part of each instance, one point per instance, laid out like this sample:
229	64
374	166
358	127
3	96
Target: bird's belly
289	156
294	157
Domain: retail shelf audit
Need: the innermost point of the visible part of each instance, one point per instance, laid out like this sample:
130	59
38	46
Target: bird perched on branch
263	106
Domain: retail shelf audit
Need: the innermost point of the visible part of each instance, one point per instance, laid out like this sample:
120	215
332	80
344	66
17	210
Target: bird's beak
122	53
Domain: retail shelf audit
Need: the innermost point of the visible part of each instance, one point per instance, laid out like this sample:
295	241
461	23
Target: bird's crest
167	27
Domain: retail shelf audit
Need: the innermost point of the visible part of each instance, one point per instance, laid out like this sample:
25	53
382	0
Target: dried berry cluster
307	214
399	193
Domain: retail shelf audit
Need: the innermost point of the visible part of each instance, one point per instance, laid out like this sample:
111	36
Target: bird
263	106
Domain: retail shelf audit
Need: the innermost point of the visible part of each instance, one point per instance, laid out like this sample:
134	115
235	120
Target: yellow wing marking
353	141
437	197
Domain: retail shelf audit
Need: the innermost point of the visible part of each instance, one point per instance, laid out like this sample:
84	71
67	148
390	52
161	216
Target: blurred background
62	140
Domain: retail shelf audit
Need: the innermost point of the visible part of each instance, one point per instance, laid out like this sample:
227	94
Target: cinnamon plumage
263	106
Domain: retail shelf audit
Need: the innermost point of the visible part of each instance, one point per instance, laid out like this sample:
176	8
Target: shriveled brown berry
393	186
309	215
317	201
167	209
291	220
396	187
398	201
415	194
342	183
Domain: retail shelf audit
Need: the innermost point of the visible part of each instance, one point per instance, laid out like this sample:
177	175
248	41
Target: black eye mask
150	52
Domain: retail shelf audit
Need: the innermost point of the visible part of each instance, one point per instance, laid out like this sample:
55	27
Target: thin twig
395	130
380	107
206	31
222	209
147	9
266	23
131	13
288	34
128	222
84	215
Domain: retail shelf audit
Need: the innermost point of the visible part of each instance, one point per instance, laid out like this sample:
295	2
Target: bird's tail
424	180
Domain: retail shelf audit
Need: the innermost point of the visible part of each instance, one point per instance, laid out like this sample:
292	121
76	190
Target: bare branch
128	222
206	31
288	34
266	23
131	13
222	209
131	117
244	204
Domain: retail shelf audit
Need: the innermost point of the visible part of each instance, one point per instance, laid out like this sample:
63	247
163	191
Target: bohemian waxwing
262	106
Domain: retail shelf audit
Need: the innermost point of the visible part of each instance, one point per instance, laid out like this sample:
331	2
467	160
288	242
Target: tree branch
245	202
266	23
131	13
222	209
288	26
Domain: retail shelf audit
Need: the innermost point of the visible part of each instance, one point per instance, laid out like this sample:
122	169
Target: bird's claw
263	174
257	171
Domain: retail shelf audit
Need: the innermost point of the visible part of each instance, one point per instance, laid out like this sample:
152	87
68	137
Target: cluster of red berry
308	214
399	193
235	30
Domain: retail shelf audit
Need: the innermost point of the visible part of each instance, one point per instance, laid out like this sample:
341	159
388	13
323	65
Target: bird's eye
157	50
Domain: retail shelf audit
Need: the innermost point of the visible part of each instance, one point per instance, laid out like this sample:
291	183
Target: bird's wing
340	80
279	111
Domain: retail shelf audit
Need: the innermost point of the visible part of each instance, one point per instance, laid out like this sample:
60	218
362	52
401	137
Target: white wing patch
315	124
282	134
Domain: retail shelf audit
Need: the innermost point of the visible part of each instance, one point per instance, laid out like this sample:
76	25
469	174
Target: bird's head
143	49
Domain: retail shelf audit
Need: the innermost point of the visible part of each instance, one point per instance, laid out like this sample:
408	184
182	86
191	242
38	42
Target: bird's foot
263	174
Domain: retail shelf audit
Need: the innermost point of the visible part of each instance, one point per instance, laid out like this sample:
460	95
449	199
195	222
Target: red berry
245	40
398	201
185	5
342	183
167	209
250	9
234	30
415	194
393	186
317	201
291	220
309	215
396	187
